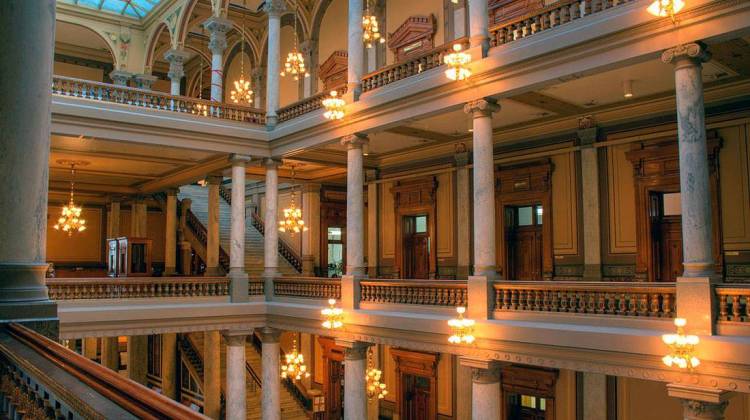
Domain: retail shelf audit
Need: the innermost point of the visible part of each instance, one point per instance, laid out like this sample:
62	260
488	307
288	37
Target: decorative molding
333	71
414	37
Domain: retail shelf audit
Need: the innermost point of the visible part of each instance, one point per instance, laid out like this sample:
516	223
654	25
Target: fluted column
170	228
176	59
355	368
479	34
485	388
274	8
212	374
484	186
271	375
27	30
212	230
217	28
355	261
271	235
238	289
236	386
355	47
699	403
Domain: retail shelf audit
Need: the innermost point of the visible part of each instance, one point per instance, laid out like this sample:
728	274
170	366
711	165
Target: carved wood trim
502	11
414	37
521	184
333	71
415	363
537	382
331	352
656	168
411	198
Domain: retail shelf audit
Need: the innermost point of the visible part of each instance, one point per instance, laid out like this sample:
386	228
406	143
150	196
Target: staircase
254	241
290	408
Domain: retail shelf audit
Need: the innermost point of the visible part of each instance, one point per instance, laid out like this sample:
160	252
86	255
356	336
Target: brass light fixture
334	316
294	368
682	347
295	62
375	388
458	62
664	8
242	93
70	218
334	106
292	222
370	29
462	328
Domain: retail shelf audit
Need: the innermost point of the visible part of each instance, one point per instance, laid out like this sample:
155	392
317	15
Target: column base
592	272
696	303
238	285
480	297
480	41
271	121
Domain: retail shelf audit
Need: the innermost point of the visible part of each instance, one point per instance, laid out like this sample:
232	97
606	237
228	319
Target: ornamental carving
333	71
414	37
695	50
503	11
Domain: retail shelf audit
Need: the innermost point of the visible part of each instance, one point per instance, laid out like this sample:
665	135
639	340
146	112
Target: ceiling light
458	62
334	106
664	8
70	219
462	328
627	87
682	347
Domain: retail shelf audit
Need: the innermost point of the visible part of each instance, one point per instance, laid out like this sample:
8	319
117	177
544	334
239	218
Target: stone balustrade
144	287
733	303
617	299
307	287
555	15
66	86
415	292
306	105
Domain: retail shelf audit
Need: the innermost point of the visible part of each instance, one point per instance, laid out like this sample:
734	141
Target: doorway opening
523	241
416	247
335	251
416	397
666	235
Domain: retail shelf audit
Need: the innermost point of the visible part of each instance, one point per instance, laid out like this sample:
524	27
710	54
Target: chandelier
242	92
458	62
70	219
682	347
664	8
200	108
334	106
294	368
334	316
370	30
295	62
375	388
462	328
292	222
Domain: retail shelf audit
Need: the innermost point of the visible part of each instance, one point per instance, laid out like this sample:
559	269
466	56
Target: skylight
136	9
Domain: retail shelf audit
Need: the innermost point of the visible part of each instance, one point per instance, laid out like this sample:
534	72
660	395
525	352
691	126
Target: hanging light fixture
375	388
664	8
462	328
370	29
295	62
294	368
334	106
200	108
292	222
334	316
70	219
682	347
242	93
458	62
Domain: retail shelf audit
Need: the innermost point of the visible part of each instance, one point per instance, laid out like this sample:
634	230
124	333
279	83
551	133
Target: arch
234	47
152	43
184	27
109	44
318	13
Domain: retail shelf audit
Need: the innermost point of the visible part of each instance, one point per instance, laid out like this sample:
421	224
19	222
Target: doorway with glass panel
335	252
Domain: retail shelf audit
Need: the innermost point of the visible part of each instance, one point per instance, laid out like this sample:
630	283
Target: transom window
137	9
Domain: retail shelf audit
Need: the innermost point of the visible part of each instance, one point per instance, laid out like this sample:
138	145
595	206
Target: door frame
535	382
332	214
331	352
416	197
418	363
528	183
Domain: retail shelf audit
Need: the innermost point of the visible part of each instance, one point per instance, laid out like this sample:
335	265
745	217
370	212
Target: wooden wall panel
156	230
83	247
734	161
621	201
445	384
387	220
564	205
319	365
389	374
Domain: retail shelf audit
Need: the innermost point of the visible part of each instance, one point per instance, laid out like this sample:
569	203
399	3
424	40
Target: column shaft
463	214
217	28
271	236
238	292
110	355
90	347
354	204
212	242
311	237
170	241
236	387
591	204
169	386
485	388
373	224
274	8
138	358
355	366
479	35
271	375
212	374
355	62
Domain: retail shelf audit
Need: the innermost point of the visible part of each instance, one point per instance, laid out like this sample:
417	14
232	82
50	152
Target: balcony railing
415	292
555	15
130	288
307	287
66	86
733	303
306	105
618	299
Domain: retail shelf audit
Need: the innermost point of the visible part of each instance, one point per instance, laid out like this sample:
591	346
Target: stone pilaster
217	28
176	59
138	358
355	264
274	8
236	386
113	219
373	223
144	81
587	136
89	347
479	34
594	396
120	77
169	385
463	213
311	237
212	374
485	388
110	354
355	369
271	236
700	403
170	228
355	63
212	230
463	392
238	289
271	399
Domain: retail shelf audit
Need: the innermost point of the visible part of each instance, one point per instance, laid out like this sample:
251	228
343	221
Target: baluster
736	308
654	309
591	302
514	299
506	298
573	301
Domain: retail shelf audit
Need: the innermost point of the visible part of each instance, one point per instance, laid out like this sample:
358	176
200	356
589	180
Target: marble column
373	223
309	49
594	396
258	76
485	388
458	20
89	347
120	77
27	30
176	59
355	369
138	358
217	28
271	375
170	228
700	403
355	263
311	237
238	287
169	385
479	34
355	47
144	81
212	230
113	219
463	213
271	236
592	259
275	8
484	186
212	374
236	386
463	392
110	353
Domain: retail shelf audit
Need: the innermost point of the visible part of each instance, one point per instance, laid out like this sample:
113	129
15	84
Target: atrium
375	209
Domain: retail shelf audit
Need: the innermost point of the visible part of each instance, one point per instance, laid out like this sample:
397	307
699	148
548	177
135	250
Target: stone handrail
733	302
549	17
67	86
143	287
133	397
410	67
284	248
306	105
307	287
415	292
618	299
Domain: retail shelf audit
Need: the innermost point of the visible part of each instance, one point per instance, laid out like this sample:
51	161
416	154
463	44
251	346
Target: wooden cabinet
129	257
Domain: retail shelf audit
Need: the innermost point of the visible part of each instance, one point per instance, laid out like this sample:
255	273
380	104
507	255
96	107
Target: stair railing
299	395
187	347
201	234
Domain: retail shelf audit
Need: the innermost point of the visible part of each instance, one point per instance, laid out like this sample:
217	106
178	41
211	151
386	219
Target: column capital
588	131
236	337
217	28
696	52
462	155
307	46
700	402
274	8
371	175
238	159
355	141
176	59
311	188
483	371
482	107
272	163
269	335
258	74
354	350
145	81
214	179
120	77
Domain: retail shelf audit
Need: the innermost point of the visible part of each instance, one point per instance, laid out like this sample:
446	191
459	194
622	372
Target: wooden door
524	243
335	403
416	397
670	240
416	248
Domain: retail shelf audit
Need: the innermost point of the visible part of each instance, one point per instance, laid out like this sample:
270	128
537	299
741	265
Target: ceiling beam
125	156
91	187
548	103
421	133
185	176
63	170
